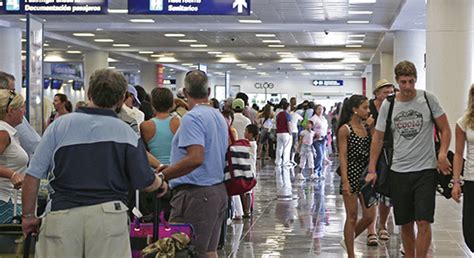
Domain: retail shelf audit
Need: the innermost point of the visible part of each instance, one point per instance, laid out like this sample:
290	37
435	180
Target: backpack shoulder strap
388	134
431	115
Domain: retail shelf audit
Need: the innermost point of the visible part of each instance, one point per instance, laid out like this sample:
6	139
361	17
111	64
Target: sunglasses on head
10	98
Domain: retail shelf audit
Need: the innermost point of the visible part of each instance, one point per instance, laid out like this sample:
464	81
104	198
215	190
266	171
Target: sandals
372	240
384	235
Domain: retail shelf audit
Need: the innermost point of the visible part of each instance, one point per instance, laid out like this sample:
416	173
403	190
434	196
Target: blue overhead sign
79	7
189	7
328	83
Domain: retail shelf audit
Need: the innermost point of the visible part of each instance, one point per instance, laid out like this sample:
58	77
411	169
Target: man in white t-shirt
129	105
240	121
295	119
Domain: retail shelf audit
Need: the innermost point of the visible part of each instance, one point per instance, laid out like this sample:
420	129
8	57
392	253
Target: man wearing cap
131	100
383	89
240	121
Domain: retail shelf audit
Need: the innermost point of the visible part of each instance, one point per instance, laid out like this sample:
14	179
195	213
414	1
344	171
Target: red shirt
282	122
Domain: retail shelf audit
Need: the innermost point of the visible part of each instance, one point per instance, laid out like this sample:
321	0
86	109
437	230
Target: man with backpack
414	162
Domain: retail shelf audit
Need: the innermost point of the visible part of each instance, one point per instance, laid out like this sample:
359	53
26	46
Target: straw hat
382	83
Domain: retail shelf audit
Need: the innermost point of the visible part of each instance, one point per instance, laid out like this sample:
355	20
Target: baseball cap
238	104
134	92
180	93
382	83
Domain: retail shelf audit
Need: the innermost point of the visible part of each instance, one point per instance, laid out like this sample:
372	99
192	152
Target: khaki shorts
91	231
204	208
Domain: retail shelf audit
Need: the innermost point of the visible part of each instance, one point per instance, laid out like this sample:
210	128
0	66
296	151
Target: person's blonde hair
469	115
17	102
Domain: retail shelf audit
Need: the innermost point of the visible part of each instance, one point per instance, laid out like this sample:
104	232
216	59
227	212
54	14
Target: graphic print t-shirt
413	134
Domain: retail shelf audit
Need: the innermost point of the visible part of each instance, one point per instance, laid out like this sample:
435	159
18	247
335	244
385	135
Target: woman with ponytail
354	148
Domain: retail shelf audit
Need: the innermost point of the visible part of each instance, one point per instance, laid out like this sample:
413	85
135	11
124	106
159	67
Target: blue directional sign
318	83
189	7
79	7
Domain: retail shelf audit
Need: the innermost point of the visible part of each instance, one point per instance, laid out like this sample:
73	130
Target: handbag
443	182
238	175
384	162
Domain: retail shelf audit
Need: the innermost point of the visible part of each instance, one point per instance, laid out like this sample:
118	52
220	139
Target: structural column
449	54
10	53
386	67
180	79
149	77
94	60
411	46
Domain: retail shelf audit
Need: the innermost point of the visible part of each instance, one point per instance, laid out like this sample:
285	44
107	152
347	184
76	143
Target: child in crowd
305	148
251	134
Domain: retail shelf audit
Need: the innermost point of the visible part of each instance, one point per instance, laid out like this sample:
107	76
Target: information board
79	7
189	7
328	82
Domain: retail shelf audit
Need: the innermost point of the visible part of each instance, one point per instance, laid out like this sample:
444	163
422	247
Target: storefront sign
265	85
79	7
189	7
328	83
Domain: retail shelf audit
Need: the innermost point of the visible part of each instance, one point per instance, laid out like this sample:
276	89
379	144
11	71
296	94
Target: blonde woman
13	159
465	136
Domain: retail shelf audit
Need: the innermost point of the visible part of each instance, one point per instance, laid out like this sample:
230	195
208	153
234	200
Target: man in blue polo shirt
95	160
196	173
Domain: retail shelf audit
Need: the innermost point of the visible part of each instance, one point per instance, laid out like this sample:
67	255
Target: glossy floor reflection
306	219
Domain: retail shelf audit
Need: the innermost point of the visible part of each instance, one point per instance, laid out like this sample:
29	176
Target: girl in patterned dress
354	149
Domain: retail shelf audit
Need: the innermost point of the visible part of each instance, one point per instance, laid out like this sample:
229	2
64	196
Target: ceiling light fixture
198	45
142	20
222	56
353	46
121	45
167	59
74	52
360	12
250	21
23	19
362	1
265	35
357	36
214	52
159	55
284	53
111	67
175	35
118	11
145	52
187	40
276	46
84	34
271	41
358	22
111	60
103	40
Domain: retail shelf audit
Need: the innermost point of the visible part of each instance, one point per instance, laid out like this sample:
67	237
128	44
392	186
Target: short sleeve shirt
469	165
307	136
203	126
413	132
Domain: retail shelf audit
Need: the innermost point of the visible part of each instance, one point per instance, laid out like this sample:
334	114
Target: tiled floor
306	219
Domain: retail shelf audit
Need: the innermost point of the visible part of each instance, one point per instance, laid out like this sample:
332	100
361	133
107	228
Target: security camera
326	32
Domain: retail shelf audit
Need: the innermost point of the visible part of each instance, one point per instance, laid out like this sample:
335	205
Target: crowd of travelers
174	147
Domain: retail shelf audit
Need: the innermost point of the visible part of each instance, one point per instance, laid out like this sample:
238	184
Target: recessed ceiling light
187	40
198	45
260	64
250	21
228	60
99	29
350	42
167	59
111	67
145	52
74	52
280	46
23	40
214	53
362	1
186	64
111	60
23	51
265	35
353	46
305	73
45	45
175	35
360	12
103	40
357	22
84	34
159	55
118	11
251	68
284	53
142	20
121	45
242	64
23	19
222	56
357	36
287	56
271	41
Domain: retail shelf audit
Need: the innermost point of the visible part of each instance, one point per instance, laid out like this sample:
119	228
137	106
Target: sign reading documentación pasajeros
54	6
189	7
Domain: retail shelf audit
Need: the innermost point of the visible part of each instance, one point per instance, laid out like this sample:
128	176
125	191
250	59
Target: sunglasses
10	99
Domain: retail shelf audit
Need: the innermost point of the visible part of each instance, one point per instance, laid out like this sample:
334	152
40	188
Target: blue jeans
319	157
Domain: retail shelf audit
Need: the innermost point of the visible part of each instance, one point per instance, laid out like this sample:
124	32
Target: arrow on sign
240	4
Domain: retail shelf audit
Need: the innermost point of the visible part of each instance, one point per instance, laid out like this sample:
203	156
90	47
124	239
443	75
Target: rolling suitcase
143	234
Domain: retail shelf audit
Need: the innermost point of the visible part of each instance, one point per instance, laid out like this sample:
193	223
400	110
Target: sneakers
313	177
300	177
